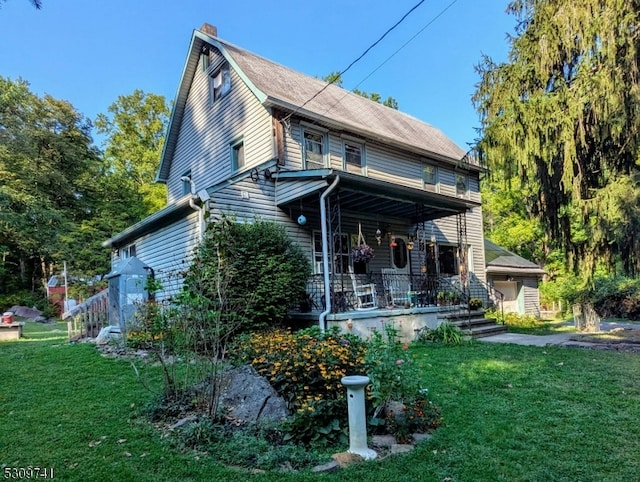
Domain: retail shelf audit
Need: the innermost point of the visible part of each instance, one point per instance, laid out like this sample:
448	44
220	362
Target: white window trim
363	157
325	153
436	184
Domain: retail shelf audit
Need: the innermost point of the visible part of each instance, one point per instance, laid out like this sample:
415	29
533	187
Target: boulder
248	397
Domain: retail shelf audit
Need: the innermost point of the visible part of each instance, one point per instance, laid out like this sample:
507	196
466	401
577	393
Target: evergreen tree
562	117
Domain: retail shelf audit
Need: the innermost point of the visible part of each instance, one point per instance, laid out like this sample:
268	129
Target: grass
514	413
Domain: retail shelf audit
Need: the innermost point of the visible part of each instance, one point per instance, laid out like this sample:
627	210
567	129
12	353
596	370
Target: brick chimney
210	30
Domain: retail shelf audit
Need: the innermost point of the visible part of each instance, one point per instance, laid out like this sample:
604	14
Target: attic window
219	83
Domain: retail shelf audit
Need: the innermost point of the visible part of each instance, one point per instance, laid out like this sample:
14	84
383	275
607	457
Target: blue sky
90	52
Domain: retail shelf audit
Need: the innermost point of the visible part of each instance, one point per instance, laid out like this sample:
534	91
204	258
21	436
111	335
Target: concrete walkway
559	339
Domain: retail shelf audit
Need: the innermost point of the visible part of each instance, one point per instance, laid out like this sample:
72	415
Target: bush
515	320
265	271
305	368
28	298
445	333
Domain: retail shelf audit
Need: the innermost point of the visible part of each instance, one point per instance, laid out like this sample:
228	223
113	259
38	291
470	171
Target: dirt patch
617	335
617	339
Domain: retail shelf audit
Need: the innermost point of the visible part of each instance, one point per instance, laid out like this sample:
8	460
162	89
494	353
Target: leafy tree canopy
561	117
134	128
336	78
48	172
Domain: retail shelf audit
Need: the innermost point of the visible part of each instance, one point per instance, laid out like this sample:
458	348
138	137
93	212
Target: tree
36	3
263	268
48	172
562	118
135	127
336	78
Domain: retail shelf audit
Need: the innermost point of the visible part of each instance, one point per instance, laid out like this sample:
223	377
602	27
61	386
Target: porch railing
89	317
394	290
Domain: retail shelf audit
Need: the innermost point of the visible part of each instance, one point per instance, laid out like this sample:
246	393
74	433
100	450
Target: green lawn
513	413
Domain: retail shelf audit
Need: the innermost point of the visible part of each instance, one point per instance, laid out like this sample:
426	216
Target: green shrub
265	271
514	320
475	303
28	298
445	333
305	368
395	378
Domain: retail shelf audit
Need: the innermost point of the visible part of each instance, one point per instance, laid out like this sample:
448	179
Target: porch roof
366	196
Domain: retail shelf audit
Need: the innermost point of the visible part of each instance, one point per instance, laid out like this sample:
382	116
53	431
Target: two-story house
251	137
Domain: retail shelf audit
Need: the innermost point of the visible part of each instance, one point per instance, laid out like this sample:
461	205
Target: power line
356	60
442	12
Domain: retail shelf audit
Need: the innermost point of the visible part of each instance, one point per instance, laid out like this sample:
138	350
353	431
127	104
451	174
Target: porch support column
325	254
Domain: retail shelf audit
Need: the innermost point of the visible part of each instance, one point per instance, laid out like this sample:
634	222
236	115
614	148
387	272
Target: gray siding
208	130
531	296
169	251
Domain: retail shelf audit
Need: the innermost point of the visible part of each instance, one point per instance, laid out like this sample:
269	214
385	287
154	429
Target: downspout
200	209
195	207
325	254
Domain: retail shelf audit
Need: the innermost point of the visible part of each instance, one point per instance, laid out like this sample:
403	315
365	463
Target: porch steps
474	323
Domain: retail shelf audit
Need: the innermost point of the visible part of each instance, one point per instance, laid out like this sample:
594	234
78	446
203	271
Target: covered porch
415	266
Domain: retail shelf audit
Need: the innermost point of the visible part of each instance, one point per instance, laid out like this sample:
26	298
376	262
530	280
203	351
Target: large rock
248	397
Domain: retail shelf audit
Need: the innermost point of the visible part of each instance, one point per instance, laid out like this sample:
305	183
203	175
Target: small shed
515	277
127	290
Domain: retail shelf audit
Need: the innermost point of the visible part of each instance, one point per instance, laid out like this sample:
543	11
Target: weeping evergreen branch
562	117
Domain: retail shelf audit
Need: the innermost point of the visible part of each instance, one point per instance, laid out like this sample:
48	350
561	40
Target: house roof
278	86
367	196
498	260
156	221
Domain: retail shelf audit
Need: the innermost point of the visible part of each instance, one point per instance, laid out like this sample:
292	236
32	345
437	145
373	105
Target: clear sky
90	52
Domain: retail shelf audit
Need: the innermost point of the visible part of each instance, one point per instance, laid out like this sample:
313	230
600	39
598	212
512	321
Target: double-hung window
430	177
341	252
462	186
353	157
313	150
219	83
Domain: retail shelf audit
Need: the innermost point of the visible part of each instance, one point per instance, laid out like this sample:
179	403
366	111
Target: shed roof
501	260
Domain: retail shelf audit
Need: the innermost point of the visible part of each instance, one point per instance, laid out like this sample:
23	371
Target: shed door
510	291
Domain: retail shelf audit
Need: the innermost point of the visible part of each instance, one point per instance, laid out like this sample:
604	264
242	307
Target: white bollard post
357	416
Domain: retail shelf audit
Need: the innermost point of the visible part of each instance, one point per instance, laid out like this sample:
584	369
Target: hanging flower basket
362	253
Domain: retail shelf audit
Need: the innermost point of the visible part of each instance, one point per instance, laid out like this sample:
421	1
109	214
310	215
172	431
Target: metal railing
396	290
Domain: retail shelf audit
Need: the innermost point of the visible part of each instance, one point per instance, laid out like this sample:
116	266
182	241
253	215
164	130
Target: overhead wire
355	61
442	12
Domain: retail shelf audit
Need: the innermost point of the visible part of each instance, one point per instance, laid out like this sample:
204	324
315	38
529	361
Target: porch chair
395	289
365	293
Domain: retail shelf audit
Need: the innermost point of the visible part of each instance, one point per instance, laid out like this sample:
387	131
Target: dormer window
219	83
